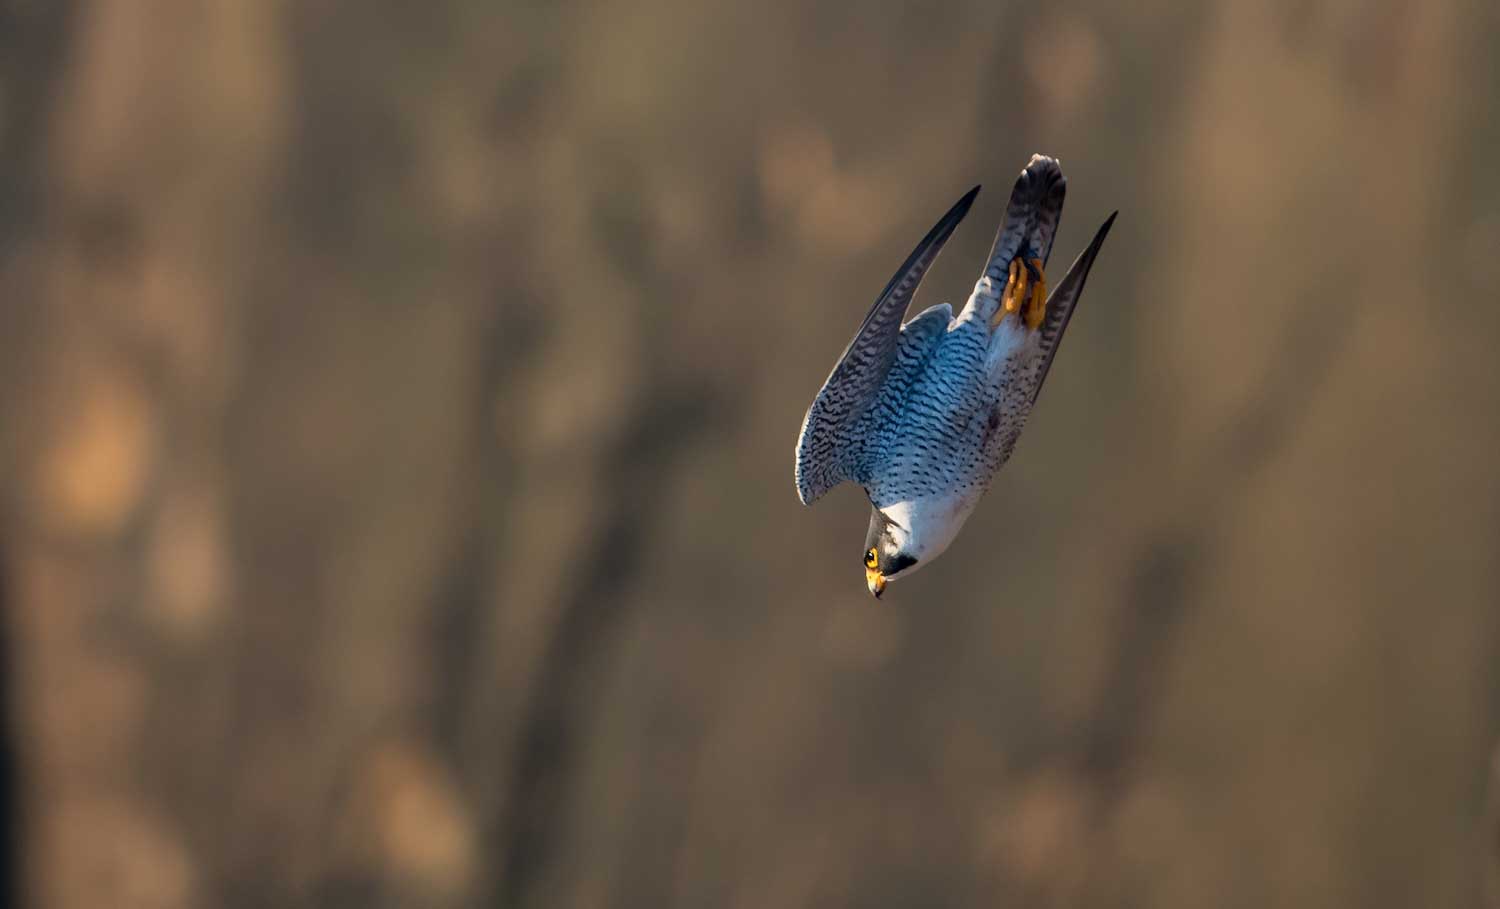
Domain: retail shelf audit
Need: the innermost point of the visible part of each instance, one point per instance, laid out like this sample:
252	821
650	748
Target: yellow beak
875	581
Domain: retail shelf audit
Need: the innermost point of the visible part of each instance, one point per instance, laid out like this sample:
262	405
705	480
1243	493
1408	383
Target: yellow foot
1024	296
1036	307
1015	291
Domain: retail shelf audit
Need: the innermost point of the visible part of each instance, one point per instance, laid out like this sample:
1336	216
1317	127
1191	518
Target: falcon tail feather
1032	217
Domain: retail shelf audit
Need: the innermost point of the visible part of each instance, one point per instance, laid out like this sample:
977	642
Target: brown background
398	412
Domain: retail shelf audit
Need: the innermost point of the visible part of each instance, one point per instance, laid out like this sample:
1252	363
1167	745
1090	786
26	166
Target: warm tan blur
398	413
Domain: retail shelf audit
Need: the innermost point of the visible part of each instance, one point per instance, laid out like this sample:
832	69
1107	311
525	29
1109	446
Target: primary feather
829	446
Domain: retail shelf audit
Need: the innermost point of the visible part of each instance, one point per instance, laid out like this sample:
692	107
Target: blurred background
398	413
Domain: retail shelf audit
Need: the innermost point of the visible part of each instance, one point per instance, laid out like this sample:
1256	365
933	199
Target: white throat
928	525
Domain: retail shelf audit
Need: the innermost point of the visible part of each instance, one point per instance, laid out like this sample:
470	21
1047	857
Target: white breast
931	522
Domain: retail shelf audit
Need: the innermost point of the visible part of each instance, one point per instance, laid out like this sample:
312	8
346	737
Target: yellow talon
1028	302
1014	286
1015	291
1036	309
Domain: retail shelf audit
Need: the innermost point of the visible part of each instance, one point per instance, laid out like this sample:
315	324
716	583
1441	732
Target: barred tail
1031	220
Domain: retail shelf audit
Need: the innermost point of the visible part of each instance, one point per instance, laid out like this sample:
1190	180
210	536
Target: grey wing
829	447
915	347
1062	301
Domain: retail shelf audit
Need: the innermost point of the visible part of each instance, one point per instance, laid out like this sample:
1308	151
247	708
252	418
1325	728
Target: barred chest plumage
949	427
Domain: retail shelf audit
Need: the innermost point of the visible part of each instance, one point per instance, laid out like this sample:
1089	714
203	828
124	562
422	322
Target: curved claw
1033	267
1015	290
1025	292
1036	307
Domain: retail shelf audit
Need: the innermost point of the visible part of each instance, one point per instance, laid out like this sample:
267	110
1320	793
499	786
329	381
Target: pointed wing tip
936	237
942	230
1103	231
961	207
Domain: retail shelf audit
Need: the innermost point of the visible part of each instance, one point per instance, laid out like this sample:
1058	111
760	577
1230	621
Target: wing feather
828	447
1063	300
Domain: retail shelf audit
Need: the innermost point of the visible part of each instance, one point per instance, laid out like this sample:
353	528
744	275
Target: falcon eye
870	560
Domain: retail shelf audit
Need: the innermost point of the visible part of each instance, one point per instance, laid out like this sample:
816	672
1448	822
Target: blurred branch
1490	832
589	622
33	63
12	823
1159	594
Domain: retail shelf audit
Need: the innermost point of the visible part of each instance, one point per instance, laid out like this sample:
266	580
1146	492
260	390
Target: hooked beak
875	581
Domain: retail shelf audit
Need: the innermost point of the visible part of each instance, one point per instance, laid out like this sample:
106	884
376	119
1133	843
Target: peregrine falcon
922	414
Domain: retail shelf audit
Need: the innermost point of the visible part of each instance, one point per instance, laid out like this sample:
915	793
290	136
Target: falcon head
888	552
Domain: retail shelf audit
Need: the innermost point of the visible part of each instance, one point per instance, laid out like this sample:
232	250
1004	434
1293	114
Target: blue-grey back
927	440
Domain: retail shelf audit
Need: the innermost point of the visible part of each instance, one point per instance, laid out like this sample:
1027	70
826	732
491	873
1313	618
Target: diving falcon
922	414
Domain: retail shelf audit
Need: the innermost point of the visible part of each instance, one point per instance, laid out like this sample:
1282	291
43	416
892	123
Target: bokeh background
398	412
